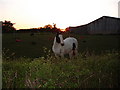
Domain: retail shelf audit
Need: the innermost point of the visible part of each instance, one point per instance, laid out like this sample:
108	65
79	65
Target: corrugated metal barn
103	25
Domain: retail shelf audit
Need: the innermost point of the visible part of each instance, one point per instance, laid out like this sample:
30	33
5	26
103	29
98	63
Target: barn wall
103	25
97	27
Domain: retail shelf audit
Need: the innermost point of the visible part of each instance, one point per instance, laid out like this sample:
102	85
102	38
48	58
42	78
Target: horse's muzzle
62	44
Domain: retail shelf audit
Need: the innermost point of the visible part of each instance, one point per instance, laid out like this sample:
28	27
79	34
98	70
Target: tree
48	26
7	27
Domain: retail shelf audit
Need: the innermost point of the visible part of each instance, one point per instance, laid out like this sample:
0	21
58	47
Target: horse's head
59	38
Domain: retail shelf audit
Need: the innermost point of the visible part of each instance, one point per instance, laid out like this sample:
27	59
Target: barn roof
104	17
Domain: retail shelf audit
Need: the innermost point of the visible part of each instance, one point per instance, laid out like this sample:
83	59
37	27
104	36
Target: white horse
68	46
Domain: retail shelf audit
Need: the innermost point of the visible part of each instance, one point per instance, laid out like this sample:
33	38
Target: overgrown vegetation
86	71
31	64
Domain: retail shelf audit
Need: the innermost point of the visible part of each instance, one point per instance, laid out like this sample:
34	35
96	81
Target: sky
119	9
64	13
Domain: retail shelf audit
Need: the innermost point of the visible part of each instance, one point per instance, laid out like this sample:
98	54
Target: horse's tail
73	48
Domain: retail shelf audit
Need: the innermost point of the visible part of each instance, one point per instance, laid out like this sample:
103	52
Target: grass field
31	63
93	71
34	46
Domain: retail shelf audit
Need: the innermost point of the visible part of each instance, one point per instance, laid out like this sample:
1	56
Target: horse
67	46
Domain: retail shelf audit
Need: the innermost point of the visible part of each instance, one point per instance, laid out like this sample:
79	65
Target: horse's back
68	44
70	40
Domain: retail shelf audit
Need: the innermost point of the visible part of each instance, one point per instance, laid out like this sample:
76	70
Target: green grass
31	63
92	71
33	46
29	47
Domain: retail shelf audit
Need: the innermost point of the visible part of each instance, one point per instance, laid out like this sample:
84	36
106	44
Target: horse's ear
59	32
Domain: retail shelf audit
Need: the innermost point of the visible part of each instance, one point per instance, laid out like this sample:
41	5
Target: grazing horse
68	46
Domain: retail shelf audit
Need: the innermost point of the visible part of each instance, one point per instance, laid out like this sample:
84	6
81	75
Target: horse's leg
62	52
70	55
62	55
73	54
76	53
57	56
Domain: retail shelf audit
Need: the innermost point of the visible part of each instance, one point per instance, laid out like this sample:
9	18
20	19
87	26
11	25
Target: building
103	25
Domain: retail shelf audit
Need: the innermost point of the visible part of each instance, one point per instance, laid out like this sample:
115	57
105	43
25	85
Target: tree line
8	27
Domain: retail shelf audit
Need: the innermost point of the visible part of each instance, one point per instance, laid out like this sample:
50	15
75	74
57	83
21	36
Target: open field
93	71
31	63
34	46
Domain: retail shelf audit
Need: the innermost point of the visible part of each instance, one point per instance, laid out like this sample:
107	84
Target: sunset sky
65	13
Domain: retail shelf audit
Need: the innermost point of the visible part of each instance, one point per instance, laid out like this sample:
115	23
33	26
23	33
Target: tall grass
85	71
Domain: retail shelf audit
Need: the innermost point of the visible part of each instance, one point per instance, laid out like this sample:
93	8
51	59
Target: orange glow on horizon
63	30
